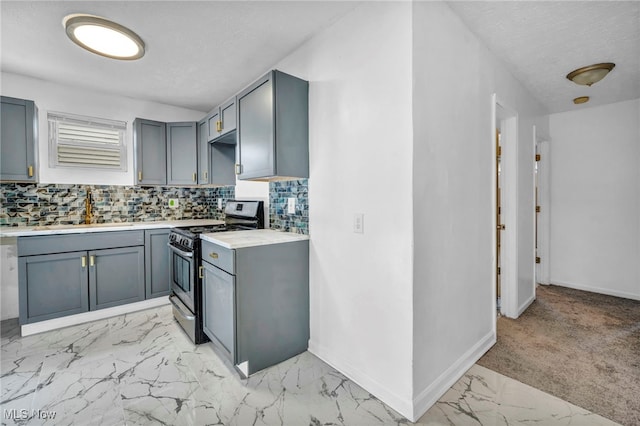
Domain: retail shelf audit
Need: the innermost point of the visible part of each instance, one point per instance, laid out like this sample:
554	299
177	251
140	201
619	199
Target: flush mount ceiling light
591	74
581	100
103	37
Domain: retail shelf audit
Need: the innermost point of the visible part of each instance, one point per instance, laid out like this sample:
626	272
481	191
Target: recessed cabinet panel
212	125
116	277
203	153
52	286
218	297
228	117
182	157
151	153
17	140
256	135
157	279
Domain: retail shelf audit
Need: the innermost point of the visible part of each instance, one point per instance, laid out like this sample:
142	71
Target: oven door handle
180	252
179	309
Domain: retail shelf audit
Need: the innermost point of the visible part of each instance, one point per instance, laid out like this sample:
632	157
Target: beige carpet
579	346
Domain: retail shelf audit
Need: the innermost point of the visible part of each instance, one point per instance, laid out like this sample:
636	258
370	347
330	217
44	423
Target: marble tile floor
140	369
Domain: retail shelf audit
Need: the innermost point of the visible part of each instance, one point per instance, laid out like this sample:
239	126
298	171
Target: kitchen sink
82	225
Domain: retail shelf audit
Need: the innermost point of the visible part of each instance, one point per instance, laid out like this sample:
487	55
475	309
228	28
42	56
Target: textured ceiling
542	41
199	53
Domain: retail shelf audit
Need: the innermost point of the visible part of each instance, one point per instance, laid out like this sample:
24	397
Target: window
87	142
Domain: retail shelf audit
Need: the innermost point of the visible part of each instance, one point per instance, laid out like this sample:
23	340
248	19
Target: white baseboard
398	403
411	409
53	324
600	290
525	305
432	393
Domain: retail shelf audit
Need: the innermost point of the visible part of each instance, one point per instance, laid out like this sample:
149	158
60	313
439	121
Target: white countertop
259	237
27	231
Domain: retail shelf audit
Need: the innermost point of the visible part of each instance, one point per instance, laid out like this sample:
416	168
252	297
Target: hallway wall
595	199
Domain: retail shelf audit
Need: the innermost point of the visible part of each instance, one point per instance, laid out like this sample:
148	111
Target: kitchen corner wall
279	193
27	204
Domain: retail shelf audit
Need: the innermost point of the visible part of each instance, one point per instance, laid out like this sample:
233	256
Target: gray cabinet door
52	286
213	124
273	128
116	277
156	259
17	124
219	309
227	117
182	156
203	153
256	144
151	156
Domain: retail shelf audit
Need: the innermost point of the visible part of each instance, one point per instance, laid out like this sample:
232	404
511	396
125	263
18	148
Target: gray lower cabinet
53	285
157	278
256	302
219	319
18	124
116	277
273	128
182	154
61	275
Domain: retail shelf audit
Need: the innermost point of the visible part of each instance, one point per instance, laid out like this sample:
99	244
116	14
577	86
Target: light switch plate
358	223
219	203
291	205
174	203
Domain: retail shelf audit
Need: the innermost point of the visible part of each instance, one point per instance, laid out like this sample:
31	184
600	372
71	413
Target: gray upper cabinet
227	117
182	154
273	128
213	124
203	153
221	121
149	138
18	125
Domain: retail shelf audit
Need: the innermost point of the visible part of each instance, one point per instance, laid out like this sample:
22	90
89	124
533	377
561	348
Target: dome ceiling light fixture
581	100
586	76
103	37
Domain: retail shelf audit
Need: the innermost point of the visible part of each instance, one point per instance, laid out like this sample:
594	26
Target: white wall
454	78
54	97
595	199
359	71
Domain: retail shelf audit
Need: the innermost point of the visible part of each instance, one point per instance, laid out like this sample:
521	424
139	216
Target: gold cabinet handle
200	269
213	255
195	177
92	261
30	171
140	176
219	126
84	261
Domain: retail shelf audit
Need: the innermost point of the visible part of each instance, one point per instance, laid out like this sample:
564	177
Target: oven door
182	267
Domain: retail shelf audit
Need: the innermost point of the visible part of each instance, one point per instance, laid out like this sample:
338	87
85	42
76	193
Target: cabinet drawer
46	244
219	256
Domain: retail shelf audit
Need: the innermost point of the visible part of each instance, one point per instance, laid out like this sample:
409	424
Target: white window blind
77	141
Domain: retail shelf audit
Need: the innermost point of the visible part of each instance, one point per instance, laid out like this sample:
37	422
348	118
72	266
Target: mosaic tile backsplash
28	204
279	219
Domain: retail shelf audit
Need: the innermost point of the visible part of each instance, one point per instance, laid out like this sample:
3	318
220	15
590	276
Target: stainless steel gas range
186	265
